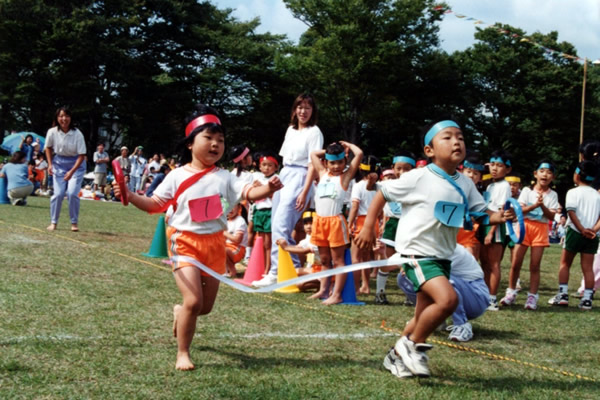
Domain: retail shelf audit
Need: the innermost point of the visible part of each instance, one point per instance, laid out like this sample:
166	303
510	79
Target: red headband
241	156
272	159
204	119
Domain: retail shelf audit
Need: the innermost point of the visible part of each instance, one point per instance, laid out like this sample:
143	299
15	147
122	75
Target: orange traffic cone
286	271
256	264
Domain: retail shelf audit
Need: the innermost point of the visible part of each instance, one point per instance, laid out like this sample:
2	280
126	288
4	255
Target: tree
522	97
366	61
131	68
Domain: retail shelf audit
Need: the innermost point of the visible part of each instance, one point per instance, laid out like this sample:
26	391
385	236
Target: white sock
587	294
248	252
493	298
563	288
381	281
534	295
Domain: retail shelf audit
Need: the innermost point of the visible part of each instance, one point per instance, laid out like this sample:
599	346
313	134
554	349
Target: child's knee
449	303
194	305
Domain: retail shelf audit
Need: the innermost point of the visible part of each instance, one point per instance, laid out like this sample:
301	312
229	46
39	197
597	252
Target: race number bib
206	208
395	208
326	189
536	214
450	214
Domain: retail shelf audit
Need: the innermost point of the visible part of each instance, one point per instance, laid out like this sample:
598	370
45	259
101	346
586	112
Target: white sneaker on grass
531	303
461	333
509	299
393	363
413	355
267	280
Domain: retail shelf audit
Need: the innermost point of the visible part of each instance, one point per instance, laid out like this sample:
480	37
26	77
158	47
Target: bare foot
183	362
318	295
51	227
364	290
332	300
74	228
176	309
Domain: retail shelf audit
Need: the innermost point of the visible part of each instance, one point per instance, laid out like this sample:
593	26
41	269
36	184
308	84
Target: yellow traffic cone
286	271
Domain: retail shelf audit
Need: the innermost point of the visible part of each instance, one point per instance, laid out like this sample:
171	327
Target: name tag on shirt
536	214
395	208
450	214
326	189
206	208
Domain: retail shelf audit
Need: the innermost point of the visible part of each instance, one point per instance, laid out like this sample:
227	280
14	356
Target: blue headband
437	128
335	157
404	159
478	167
500	160
546	166
587	178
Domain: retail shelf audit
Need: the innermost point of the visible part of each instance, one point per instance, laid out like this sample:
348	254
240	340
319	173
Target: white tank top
329	196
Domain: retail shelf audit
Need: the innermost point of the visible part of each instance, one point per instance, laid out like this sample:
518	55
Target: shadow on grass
256	362
493	387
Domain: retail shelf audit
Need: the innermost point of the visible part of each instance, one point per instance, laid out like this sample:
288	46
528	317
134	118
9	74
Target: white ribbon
394	260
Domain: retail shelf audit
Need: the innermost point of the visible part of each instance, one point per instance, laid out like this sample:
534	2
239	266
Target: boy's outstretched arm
366	237
263	191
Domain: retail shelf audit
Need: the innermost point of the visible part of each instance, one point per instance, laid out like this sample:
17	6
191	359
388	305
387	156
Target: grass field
84	315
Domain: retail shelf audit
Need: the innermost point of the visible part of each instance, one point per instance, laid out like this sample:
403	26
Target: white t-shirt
329	196
529	197
464	265
218	182
154	164
138	163
419	190
238	225
267	202
314	248
68	144
499	193
585	201
298	144
363	196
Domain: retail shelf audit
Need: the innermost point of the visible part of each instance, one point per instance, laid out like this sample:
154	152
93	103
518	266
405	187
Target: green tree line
134	69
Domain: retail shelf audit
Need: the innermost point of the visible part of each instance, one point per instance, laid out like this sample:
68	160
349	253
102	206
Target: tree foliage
135	68
521	98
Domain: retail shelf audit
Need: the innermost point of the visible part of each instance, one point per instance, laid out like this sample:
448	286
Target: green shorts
389	231
262	220
420	271
575	242
499	235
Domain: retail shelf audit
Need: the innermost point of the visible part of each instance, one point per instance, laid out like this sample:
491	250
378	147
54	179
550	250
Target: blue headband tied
404	159
500	160
546	166
437	128
477	167
587	178
335	157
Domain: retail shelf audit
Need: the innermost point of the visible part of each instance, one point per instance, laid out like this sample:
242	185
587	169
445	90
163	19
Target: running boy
583	208
436	200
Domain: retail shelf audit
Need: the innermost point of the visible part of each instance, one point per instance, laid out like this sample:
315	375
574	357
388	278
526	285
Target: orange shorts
329	231
360	222
536	234
207	249
468	238
237	252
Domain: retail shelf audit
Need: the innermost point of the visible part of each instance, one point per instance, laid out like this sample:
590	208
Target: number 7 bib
205	208
450	214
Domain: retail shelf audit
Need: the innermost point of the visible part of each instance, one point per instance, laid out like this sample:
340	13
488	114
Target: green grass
78	320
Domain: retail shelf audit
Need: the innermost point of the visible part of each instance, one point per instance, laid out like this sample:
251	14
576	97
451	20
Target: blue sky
577	21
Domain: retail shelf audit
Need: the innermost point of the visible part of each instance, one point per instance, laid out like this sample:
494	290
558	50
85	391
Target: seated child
237	240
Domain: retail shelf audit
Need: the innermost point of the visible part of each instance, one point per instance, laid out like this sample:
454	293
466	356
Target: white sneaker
510	298
493	306
531	303
413	355
461	333
393	363
267	280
